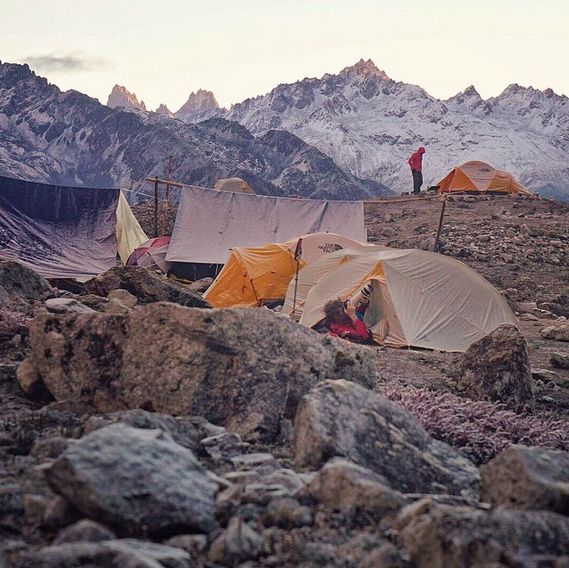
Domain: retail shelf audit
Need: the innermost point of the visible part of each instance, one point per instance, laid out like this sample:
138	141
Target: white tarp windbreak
209	223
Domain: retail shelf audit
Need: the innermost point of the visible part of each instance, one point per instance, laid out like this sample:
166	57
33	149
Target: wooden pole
441	219
156	206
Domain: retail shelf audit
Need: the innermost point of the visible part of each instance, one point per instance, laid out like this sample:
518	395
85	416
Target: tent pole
156	206
297	257
441	219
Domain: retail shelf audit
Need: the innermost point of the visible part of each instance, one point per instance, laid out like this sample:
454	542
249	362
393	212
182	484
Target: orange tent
481	177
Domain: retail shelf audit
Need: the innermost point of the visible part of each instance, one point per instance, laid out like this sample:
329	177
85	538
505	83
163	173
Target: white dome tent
427	300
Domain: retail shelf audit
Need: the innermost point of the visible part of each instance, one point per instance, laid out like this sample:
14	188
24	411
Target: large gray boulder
244	369
145	285
139	481
497	368
528	478
443	536
339	418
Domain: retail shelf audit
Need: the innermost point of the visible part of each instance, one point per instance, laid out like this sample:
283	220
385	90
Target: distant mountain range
345	135
70	138
370	124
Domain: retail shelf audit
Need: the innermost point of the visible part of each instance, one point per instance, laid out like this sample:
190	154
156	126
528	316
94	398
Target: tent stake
441	219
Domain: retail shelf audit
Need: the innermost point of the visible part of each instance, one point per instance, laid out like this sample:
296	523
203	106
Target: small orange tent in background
480	177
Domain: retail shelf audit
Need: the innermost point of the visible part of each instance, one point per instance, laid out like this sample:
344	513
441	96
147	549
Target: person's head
421	150
335	311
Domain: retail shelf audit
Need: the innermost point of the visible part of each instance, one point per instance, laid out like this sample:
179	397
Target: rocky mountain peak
163	110
470	99
200	105
120	97
364	68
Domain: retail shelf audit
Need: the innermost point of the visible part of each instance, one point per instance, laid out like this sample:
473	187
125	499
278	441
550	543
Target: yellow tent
252	276
234	184
481	177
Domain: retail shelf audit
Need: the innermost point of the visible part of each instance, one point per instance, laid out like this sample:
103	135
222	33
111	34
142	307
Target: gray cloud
64	63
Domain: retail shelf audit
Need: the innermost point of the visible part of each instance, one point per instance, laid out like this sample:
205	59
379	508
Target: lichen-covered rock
497	368
339	418
443	536
139	481
240	368
528	478
145	285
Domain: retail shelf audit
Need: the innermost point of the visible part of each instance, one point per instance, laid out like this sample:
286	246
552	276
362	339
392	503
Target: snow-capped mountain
200	105
121	98
70	138
370	124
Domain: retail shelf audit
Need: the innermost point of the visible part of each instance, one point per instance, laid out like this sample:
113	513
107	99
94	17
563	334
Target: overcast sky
162	50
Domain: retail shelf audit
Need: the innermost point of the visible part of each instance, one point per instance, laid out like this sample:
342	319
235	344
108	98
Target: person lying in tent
343	322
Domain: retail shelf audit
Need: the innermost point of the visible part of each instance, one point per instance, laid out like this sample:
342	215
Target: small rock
193	544
34	507
528	478
124	297
66	306
59	513
201	285
559	332
354	490
260	461
560	360
84	531
30	381
287	513
224	445
124	553
386	556
238	543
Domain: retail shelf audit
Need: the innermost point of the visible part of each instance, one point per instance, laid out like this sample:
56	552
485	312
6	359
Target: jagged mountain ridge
70	138
369	124
200	105
120	97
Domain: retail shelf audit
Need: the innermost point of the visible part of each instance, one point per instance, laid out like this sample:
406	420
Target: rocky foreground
140	428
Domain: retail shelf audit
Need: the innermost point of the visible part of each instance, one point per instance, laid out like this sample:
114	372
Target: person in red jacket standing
416	164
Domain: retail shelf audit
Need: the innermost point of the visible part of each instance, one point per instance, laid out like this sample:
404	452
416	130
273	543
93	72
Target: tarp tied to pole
60	232
210	223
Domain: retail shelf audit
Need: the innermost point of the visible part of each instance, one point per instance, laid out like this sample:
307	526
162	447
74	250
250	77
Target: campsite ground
520	244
